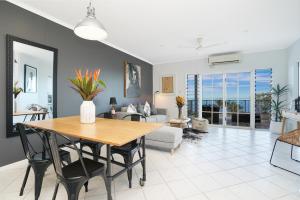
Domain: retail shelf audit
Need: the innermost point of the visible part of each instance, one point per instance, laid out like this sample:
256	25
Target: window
238	99
192	95
212	98
263	97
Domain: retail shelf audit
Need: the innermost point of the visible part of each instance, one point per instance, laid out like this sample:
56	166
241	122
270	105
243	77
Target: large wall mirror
31	82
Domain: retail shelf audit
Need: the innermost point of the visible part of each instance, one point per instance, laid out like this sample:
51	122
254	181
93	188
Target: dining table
111	132
34	114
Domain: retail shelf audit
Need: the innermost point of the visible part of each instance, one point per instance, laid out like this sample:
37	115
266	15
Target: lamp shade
90	28
113	101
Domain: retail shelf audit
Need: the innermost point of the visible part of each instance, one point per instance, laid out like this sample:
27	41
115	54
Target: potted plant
180	101
278	104
88	86
16	91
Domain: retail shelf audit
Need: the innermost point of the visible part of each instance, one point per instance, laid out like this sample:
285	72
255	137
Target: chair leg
292	150
128	162
273	152
55	191
39	171
73	189
25	180
96	151
86	186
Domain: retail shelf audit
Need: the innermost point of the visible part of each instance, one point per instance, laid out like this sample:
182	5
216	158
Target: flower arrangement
88	85
180	101
17	90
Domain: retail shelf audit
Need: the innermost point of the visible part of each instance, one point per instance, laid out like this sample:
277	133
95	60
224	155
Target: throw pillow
140	108
147	109
131	109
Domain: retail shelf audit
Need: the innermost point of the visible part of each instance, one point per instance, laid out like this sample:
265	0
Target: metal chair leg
292	150
86	186
128	162
25	180
39	171
55	191
273	152
73	190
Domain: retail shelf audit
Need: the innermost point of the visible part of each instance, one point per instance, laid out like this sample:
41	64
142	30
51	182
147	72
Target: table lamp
113	103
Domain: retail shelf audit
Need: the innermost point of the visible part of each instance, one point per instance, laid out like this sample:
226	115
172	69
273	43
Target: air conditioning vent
224	58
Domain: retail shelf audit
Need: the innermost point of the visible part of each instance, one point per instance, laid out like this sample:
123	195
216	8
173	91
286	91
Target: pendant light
90	28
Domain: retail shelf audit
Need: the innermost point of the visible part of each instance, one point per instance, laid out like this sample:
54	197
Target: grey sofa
160	117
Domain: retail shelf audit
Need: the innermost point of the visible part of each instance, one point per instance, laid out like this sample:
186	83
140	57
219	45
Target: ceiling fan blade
213	45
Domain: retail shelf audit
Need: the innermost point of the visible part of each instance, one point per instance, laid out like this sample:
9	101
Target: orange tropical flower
88	86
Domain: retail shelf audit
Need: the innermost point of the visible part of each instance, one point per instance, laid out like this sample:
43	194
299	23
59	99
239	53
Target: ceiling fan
200	44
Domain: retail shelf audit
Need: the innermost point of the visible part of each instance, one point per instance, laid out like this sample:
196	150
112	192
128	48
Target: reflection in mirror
32	79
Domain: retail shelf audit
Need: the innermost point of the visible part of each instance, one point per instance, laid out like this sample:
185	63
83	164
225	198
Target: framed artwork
30	79
167	84
132	80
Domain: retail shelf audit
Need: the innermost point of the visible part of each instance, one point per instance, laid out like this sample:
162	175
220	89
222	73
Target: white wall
277	60
293	57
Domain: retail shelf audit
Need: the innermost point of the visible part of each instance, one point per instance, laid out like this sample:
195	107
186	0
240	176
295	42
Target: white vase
87	112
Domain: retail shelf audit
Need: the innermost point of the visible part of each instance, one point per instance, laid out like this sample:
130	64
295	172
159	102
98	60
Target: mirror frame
9	79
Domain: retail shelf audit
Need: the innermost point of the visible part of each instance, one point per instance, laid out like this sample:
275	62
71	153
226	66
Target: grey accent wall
73	53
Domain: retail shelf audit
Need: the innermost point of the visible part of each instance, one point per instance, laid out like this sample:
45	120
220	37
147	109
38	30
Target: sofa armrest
162	111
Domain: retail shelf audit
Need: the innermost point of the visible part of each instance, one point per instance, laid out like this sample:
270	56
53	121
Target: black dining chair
94	146
128	150
76	174
38	161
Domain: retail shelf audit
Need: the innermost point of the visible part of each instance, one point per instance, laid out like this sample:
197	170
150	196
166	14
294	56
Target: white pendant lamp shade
90	28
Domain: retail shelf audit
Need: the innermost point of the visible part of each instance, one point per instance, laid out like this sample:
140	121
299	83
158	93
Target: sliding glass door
237	100
226	98
231	90
212	98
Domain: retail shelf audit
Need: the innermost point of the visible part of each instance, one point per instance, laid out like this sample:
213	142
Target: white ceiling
157	30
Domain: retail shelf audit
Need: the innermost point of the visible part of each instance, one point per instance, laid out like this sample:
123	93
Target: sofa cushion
131	109
153	109
124	109
147	109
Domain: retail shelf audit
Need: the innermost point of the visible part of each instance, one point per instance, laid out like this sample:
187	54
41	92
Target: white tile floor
227	164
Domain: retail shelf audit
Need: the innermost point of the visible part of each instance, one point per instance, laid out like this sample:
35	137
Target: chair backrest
106	115
55	153
136	117
27	147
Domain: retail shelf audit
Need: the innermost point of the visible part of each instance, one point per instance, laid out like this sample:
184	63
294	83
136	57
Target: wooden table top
107	131
29	112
